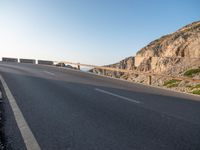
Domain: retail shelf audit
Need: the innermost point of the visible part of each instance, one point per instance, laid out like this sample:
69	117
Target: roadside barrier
45	62
31	61
6	59
148	74
103	68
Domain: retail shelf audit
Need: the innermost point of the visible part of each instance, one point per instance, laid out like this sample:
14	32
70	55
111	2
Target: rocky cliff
184	43
172	54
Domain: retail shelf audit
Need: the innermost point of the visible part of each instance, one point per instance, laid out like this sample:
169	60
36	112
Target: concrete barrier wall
31	61
5	59
45	62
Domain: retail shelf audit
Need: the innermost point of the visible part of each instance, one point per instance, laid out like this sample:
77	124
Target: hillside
173	54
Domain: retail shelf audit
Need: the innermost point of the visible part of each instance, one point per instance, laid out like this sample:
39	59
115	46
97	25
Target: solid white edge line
27	135
116	95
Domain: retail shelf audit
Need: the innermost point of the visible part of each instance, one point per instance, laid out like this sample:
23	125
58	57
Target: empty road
72	110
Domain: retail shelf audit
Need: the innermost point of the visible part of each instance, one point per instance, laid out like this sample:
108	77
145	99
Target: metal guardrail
149	74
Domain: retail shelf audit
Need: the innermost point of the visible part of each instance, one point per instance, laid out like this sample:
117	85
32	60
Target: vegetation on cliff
192	72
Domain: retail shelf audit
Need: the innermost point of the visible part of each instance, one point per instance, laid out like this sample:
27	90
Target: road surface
73	110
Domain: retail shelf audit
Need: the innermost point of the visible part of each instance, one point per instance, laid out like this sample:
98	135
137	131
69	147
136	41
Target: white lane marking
53	74
27	135
116	95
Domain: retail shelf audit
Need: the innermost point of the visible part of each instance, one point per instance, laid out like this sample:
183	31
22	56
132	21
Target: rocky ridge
172	54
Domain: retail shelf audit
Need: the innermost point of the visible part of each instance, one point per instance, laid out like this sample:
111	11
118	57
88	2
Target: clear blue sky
88	31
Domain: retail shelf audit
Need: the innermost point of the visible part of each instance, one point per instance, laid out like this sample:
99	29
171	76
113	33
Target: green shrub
192	72
172	83
196	92
195	87
125	76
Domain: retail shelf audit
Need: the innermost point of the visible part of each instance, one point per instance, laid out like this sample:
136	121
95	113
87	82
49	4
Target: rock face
184	43
172	54
127	63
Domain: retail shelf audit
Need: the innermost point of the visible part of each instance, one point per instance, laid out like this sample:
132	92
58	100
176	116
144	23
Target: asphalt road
73	110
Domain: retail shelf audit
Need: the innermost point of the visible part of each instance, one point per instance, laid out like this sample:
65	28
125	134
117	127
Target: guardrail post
79	66
149	79
103	71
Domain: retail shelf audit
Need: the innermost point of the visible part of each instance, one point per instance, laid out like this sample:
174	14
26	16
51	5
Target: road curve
73	110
